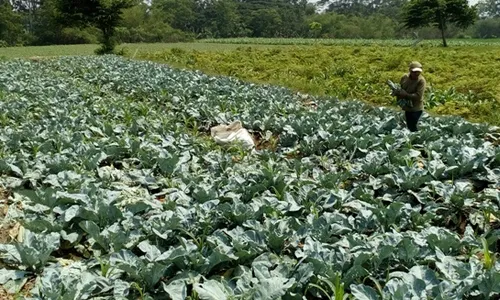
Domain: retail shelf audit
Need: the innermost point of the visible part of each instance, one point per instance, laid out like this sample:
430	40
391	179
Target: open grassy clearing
226	44
62	50
354	42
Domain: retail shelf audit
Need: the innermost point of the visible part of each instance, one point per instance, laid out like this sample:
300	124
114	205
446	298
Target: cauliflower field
108	166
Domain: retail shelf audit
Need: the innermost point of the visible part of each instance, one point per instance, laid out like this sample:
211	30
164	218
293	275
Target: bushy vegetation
39	22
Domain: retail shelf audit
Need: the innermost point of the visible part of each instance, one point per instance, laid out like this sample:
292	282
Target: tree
439	14
266	23
180	14
11	29
489	8
135	16
487	28
315	29
28	9
103	14
389	8
222	19
351	7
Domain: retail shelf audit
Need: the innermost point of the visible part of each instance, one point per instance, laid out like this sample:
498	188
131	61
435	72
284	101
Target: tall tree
29	10
135	16
439	14
487	28
266	23
390	8
489	8
352	7
275	18
180	14
222	19
103	14
11	27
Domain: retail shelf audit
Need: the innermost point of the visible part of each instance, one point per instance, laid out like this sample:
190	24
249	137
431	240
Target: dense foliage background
35	22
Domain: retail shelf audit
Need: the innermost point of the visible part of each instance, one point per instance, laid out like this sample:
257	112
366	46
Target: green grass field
60	50
229	44
354	42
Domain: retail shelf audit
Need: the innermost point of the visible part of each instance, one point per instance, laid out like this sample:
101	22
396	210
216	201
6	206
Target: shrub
157	34
79	36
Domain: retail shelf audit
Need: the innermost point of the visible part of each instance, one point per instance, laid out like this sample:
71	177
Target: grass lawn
355	42
58	50
230	44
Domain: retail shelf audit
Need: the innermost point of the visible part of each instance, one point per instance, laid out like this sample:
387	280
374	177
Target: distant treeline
34	22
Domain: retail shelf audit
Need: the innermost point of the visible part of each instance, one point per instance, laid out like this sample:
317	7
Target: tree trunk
444	39
108	42
441	26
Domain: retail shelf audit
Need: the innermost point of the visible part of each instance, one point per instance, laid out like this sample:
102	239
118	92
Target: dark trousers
412	118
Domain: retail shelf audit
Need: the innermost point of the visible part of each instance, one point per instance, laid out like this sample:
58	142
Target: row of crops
109	167
350	72
355	42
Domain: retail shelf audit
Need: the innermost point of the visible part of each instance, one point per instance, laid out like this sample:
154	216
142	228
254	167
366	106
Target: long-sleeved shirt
415	89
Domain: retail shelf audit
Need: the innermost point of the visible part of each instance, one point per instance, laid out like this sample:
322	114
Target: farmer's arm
418	94
403	78
399	93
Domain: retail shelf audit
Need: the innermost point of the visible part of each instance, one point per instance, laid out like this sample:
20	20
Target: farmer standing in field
412	90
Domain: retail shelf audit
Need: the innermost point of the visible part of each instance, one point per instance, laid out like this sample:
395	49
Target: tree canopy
45	22
10	24
103	14
489	8
439	14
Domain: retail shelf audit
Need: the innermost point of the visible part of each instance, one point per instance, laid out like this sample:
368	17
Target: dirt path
7	230
4	230
4	234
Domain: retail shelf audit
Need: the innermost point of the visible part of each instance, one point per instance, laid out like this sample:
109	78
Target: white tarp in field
234	132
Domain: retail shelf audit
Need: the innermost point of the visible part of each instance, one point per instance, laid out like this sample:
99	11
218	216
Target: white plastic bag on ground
225	134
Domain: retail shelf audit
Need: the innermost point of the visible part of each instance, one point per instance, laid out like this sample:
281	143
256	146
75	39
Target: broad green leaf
6	275
177	289
363	292
71	213
211	290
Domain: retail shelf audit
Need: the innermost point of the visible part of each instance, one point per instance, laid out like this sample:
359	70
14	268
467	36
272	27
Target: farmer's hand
396	93
403	93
